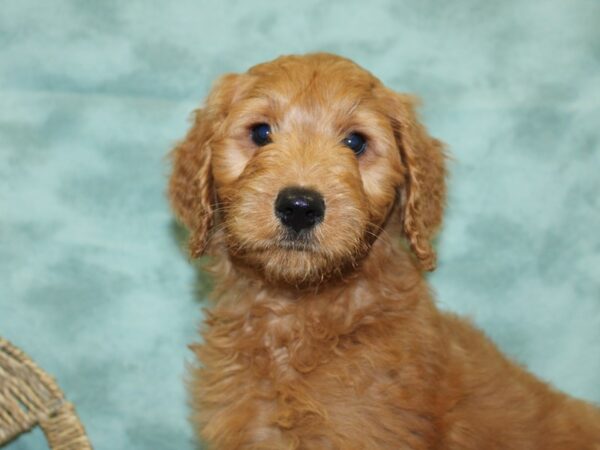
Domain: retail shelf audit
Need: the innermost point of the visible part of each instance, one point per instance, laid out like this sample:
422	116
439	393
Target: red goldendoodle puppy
297	178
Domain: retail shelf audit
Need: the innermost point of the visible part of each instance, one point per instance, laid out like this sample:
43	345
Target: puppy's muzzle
299	209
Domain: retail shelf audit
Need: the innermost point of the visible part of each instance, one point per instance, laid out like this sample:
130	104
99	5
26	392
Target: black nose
299	208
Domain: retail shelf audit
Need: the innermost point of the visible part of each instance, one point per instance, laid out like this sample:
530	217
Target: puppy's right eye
356	142
261	134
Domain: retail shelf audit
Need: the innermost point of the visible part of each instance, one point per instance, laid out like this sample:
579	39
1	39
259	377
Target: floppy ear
191	189
424	192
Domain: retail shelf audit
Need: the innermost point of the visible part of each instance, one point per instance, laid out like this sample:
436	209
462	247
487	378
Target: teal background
93	283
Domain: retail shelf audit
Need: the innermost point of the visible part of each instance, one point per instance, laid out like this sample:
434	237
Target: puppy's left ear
191	189
424	191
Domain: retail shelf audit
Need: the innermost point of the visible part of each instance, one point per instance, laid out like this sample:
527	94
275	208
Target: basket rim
35	399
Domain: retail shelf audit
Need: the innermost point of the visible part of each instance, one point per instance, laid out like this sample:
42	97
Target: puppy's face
298	165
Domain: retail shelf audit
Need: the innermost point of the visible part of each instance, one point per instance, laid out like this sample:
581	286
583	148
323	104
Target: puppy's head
298	164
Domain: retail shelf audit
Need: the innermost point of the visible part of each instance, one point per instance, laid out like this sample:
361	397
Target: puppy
316	192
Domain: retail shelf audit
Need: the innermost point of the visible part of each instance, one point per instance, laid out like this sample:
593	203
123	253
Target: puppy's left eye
261	134
356	142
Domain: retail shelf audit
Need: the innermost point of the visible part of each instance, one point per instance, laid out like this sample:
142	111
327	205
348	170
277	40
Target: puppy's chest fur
280	338
314	374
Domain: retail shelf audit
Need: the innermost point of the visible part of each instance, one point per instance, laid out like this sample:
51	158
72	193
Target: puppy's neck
385	292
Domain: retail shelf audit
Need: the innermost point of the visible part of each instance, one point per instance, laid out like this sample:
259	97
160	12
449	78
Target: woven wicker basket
30	397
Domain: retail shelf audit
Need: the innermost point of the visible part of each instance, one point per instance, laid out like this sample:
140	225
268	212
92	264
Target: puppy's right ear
191	189
424	192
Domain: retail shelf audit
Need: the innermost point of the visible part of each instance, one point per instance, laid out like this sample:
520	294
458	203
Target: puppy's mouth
302	241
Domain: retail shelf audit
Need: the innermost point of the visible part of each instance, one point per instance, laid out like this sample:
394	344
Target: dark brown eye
356	142
261	134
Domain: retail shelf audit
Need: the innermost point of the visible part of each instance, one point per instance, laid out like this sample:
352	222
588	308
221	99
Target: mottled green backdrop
94	93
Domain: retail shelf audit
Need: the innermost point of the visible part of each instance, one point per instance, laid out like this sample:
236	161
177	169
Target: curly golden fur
334	342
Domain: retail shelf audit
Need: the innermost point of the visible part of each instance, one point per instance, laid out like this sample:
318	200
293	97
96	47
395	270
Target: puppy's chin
296	265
